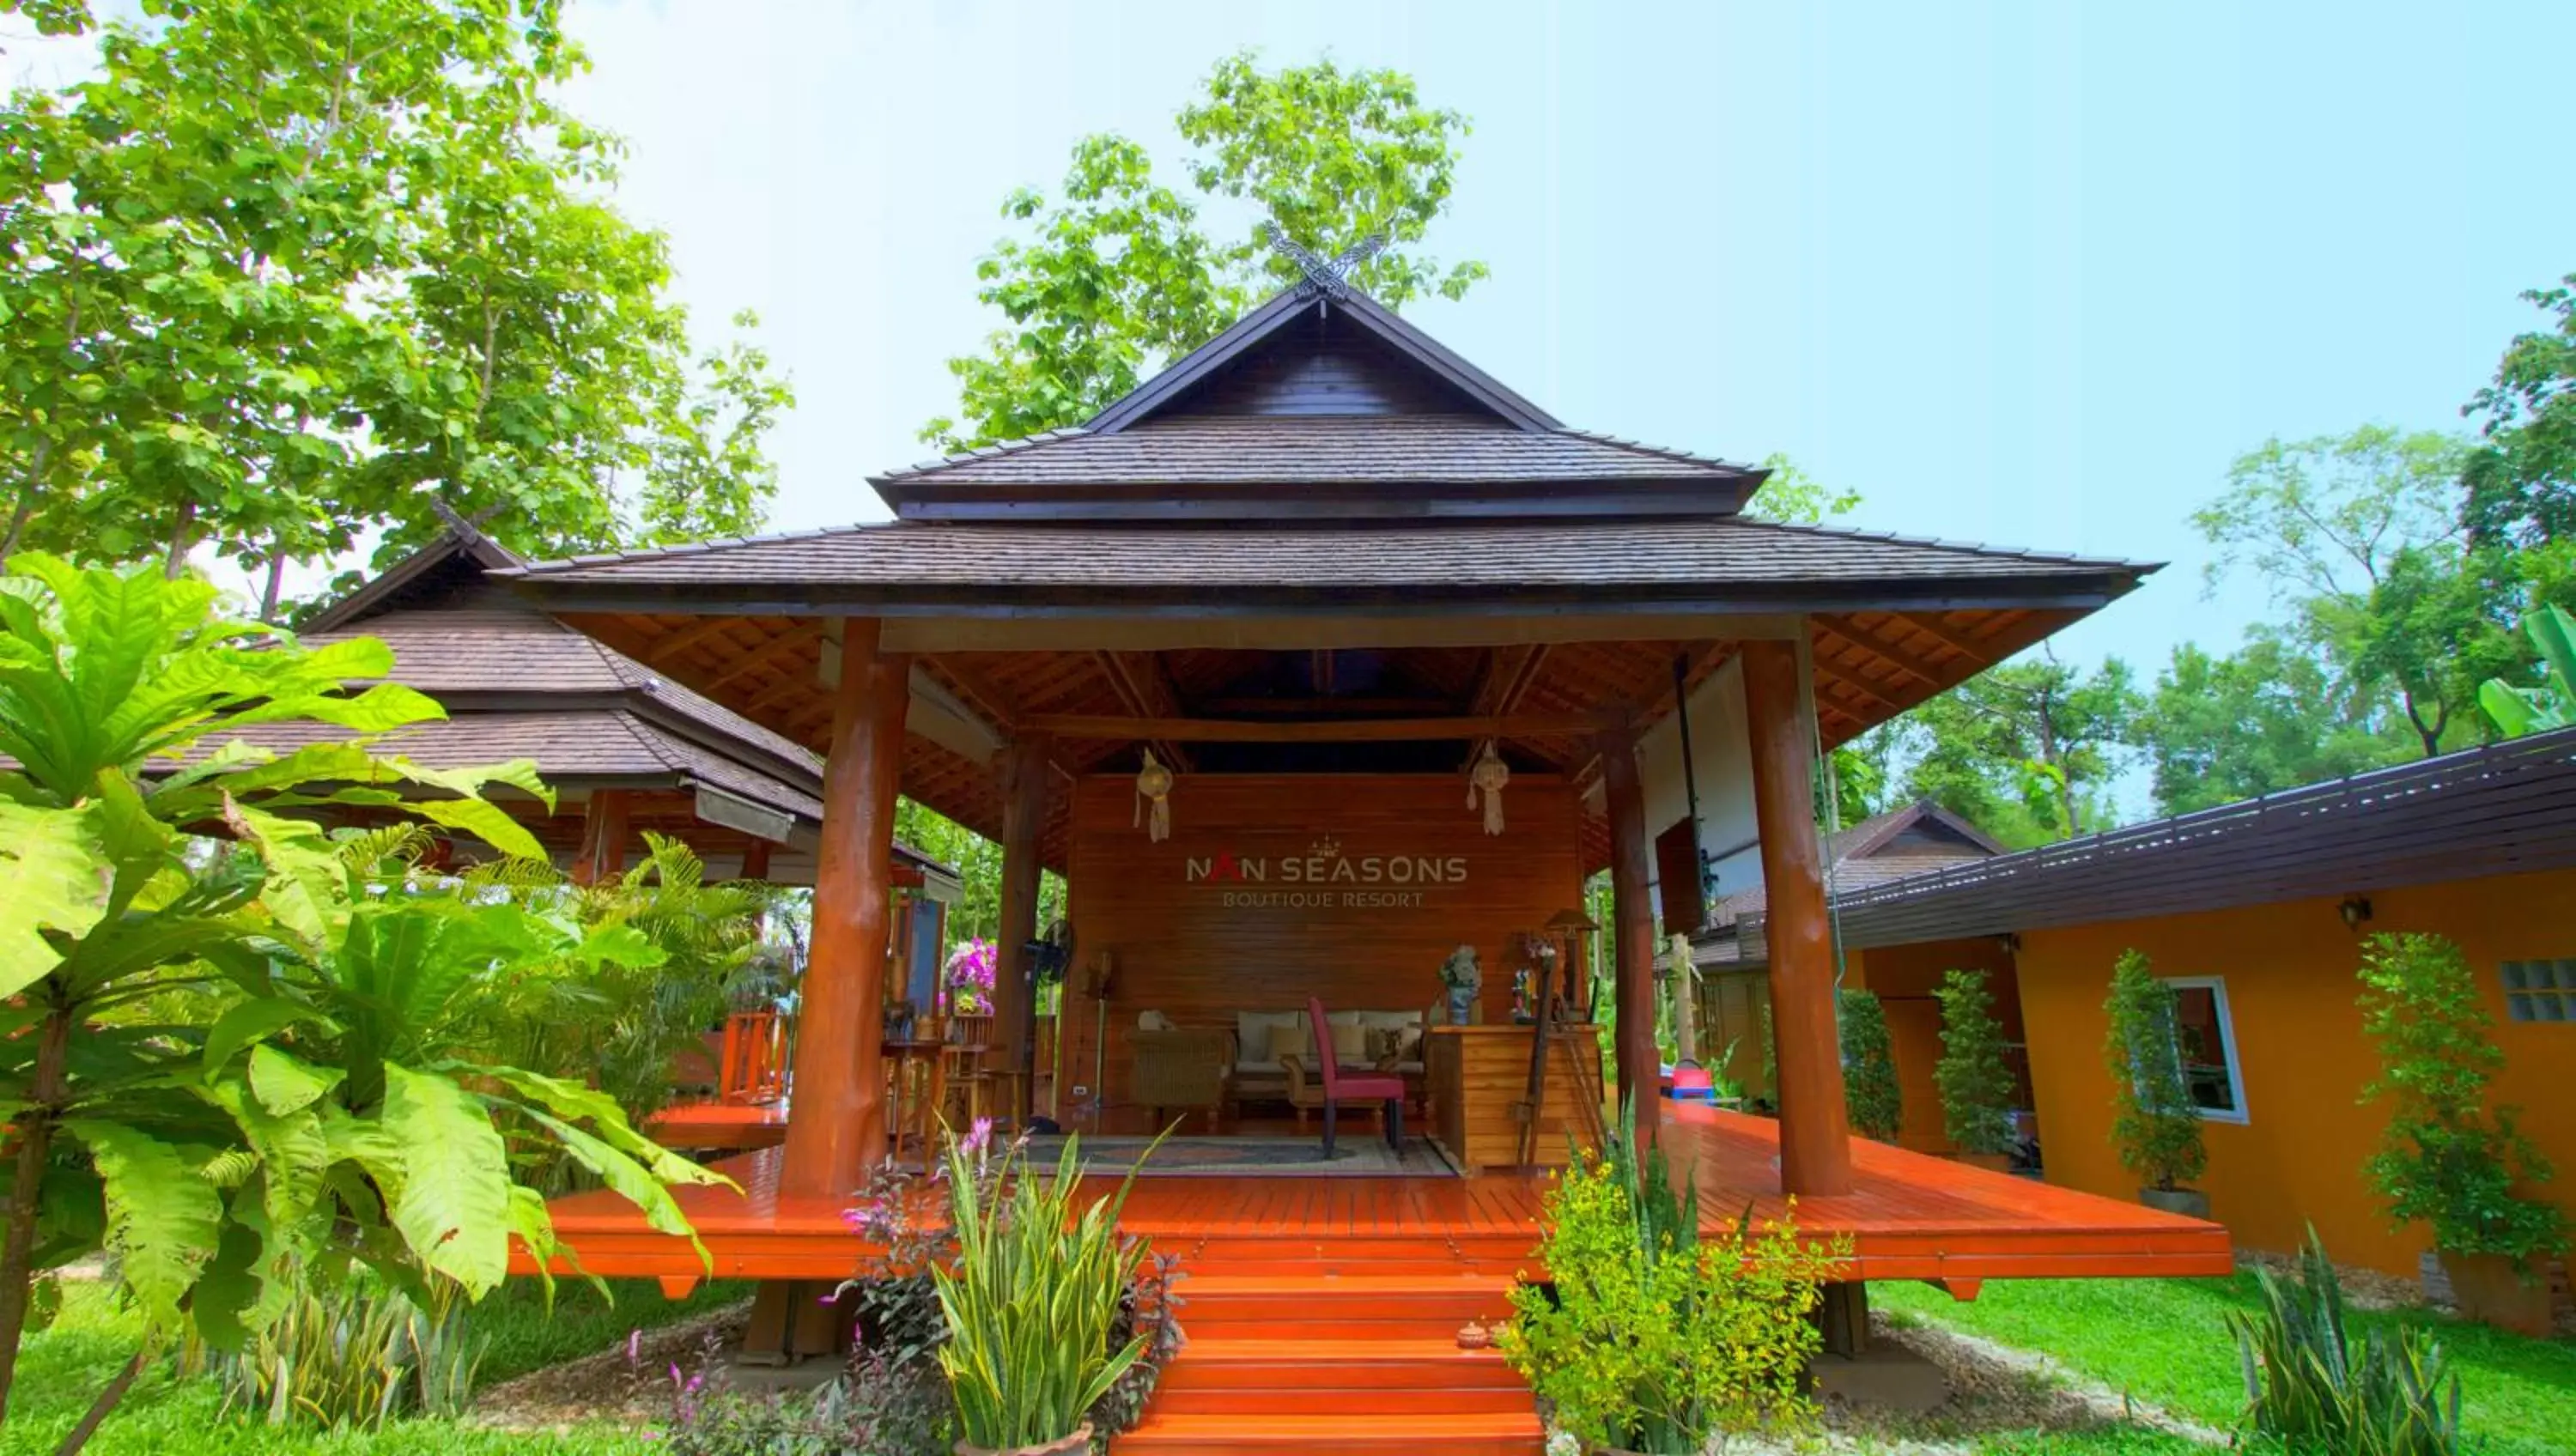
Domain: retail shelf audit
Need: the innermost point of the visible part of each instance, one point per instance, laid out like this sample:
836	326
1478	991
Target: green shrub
1653	1337
2446	1159
1976	1086
1034	1296
2155	1122
1869	1068
354	1356
2310	1388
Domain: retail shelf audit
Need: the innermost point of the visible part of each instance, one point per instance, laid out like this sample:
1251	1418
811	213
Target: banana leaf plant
221	1053
2520	710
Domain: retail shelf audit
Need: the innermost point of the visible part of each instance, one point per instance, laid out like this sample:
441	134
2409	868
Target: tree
277	276
1976	1086
2267	717
1120	275
2154	1121
2521	482
1870	1091
230	1060
2358	535
2026	751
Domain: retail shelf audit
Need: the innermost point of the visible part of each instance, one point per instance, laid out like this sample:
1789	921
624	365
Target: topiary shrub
2154	1122
1976	1086
2446	1159
1869	1068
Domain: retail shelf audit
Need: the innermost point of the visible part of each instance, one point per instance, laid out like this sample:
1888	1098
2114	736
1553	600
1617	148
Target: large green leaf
290	1146
58	880
625	1176
163	1217
453	1205
248	1022
567	1098
284	1085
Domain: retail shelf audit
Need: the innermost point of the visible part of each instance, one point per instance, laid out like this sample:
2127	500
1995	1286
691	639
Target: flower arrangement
1460	972
968	977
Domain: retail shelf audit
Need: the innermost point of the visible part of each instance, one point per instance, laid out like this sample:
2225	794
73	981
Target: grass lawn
2165	1342
61	1370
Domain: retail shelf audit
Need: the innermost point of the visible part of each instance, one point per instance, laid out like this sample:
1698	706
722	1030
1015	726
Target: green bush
354	1357
1976	1086
2155	1122
1869	1068
2310	1388
2446	1159
1652	1337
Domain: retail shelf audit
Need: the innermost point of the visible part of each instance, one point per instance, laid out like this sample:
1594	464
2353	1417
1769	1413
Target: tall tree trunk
109	1397
276	582
35	1149
26	507
180	534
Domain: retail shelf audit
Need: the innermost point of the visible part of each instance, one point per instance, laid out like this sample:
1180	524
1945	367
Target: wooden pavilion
1320	568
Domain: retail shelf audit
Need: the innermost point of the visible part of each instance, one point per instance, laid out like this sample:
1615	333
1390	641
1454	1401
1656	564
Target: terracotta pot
2189	1202
1991	1162
1074	1445
2491	1291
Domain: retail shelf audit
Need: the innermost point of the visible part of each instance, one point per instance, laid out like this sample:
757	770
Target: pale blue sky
2019	273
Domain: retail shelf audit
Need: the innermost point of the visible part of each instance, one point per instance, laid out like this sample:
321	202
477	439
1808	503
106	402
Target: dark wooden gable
1319	364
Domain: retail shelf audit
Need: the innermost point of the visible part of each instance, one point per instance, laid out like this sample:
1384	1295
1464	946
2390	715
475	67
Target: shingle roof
1863	857
1294	450
1712	551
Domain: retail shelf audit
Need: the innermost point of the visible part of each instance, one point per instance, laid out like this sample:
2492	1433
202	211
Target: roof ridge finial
1330	277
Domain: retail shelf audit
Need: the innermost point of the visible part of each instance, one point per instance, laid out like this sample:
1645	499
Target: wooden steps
1337	1347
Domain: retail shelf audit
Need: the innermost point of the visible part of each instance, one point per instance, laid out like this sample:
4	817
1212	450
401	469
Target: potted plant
1652	1337
1465	979
2155	1122
1870	1090
1031	1300
2446	1158
1976	1086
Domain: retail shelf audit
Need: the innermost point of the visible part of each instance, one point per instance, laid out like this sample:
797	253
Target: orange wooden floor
1911	1216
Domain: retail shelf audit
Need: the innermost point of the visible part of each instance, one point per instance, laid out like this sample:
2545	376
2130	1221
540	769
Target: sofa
1274	1052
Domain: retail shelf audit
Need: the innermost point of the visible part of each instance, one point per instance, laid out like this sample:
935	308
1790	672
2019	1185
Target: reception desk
1475	1076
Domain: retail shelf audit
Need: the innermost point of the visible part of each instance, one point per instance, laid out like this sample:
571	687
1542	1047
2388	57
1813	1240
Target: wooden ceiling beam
1829	672
1141	684
1354	730
669	649
978	690
1982	654
793	639
1896	657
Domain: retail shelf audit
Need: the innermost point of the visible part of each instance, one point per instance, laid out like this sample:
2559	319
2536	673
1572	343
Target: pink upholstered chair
1341	1086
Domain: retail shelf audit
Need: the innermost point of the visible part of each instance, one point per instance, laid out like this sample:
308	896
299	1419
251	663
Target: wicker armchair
1183	1067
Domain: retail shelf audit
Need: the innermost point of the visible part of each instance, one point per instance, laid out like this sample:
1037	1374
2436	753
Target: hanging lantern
1488	778
1154	785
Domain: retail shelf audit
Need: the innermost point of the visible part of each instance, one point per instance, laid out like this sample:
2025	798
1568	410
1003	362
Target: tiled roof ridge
1665	452
686	548
1943	543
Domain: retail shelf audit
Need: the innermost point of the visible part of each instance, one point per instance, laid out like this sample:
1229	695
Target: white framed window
2208	1046
2539	990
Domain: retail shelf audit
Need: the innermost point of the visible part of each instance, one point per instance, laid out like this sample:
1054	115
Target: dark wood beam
1409	707
1829	672
1357	730
1140	682
668	649
978	691
1982	654
788	641
1846	631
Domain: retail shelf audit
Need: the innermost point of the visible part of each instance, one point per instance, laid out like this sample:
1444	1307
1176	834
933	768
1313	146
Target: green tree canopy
2522	481
1121	273
275	275
2267	717
2026	751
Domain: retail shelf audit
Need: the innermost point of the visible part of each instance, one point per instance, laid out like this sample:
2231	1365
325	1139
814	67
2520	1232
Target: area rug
1359	1155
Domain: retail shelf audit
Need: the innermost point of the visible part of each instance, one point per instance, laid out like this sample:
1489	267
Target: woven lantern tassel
1490	774
1154	786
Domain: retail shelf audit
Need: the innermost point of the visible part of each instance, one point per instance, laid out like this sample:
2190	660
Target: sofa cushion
1252	1032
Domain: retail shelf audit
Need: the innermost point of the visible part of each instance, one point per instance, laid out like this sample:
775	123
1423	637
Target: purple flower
634	1346
979	1136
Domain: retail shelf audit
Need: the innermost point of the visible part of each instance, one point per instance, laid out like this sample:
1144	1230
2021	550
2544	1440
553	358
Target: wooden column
755	860
1815	1130
836	1129
1632	935
602	855
1024	804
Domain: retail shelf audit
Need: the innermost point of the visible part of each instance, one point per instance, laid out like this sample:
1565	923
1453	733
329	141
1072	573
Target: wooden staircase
1341	1346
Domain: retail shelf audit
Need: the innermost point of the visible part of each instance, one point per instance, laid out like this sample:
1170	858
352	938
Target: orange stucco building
2258	912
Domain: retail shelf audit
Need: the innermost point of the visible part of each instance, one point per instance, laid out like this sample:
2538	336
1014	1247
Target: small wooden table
1476	1076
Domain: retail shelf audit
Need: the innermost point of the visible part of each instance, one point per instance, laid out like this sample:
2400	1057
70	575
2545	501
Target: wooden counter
1474	1075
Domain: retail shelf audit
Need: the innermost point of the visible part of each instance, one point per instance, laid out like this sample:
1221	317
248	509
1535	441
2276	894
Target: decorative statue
1488	778
1154	785
1464	978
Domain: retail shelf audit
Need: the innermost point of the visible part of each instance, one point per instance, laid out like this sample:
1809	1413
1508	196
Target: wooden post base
791	1322
1845	1317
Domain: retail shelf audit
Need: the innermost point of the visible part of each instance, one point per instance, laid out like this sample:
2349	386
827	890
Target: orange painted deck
698	1126
1911	1216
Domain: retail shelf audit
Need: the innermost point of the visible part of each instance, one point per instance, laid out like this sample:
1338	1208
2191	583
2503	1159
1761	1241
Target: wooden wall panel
1193	940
